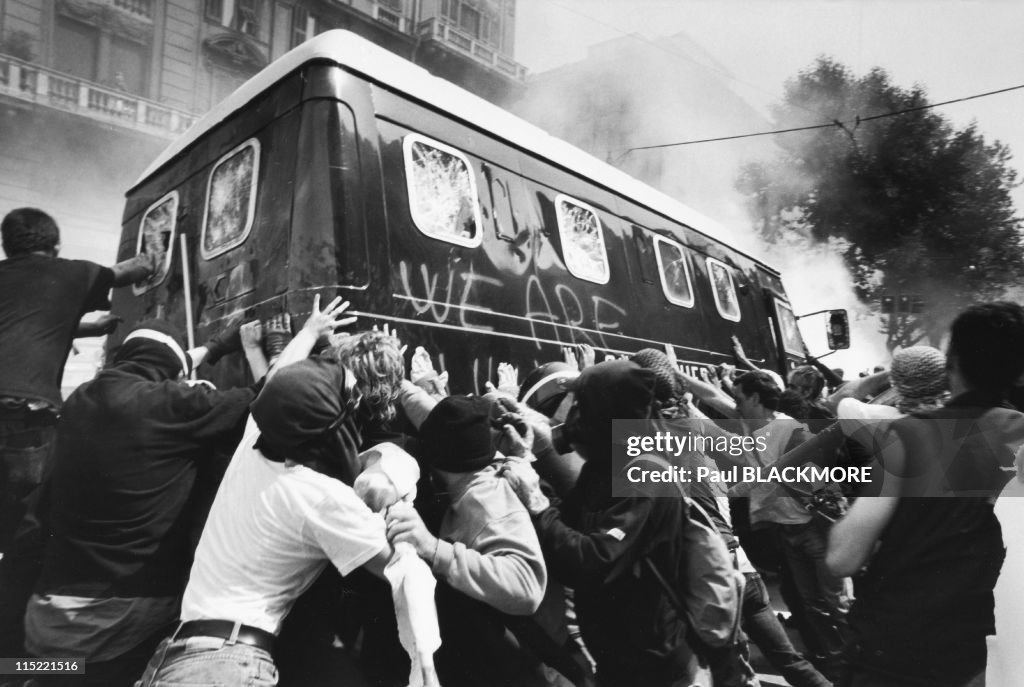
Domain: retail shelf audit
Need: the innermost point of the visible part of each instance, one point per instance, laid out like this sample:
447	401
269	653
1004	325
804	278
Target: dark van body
344	169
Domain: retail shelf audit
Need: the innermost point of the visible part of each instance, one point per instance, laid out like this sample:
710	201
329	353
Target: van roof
360	55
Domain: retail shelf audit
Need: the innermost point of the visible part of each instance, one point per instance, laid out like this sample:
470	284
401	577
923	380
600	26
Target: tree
915	205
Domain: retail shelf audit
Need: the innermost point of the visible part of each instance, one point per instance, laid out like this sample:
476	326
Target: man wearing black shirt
42	300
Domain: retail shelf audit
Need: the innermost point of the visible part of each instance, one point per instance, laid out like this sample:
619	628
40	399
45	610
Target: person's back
597	543
929	587
128	449
42	299
926	602
117	550
630	627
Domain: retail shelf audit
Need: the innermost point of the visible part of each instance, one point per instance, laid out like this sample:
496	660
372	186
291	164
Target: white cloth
270	532
1005	659
412	590
390	475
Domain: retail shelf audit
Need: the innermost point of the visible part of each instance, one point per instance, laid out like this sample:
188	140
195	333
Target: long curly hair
377	363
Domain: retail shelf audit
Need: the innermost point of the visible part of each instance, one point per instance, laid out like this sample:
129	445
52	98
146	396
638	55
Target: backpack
710	596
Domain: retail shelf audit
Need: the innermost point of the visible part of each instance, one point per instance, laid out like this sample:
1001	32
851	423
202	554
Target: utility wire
833	123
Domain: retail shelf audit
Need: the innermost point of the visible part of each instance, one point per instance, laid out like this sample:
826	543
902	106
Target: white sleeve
346	529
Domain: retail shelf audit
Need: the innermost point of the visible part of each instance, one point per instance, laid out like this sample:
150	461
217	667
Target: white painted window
231	200
156	238
724	289
582	240
442	192
674	269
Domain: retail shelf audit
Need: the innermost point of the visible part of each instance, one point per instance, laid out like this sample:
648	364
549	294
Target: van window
787	325
724	289
582	240
156	238
231	200
442	192
674	268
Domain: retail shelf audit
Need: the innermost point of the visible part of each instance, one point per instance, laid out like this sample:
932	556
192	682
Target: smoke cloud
630	93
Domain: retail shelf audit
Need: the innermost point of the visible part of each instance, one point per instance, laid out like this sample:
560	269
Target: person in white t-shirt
279	517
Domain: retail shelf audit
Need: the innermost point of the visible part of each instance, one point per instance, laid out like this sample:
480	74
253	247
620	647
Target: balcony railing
142	8
481	52
33	83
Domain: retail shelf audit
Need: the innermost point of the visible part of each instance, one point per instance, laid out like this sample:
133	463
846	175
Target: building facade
92	90
631	94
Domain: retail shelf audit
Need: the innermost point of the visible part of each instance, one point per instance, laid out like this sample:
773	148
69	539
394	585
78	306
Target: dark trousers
20	568
822	593
26	450
764	630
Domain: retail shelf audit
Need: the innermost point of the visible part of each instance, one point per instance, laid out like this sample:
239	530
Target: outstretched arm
101	326
741	356
133	270
320	323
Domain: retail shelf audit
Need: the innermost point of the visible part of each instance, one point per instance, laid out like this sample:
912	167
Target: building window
243	16
231	199
97	55
76	48
442	191
724	289
247	18
477	19
674	268
304	25
582	240
215	10
156	238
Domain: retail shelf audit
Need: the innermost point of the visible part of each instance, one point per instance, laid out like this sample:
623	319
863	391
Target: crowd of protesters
370	527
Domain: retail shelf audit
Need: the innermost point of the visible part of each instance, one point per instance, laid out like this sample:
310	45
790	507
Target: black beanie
457	434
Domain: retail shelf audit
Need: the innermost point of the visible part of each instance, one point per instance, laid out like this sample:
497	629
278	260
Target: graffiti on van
555	315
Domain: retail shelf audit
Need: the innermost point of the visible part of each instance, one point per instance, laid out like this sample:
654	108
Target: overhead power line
834	123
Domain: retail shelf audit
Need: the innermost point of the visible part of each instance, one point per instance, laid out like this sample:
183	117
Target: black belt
226	629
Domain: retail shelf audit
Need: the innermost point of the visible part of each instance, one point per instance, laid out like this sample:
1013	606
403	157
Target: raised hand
251	334
324	322
508	379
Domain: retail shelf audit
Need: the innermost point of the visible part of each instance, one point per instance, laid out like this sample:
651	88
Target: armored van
344	169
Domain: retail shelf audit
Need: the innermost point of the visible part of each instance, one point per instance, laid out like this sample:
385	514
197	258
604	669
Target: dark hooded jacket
596	543
127	451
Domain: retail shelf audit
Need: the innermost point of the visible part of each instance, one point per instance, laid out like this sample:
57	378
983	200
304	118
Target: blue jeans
823	594
208	662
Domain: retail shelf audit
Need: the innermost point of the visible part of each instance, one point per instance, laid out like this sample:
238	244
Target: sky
951	48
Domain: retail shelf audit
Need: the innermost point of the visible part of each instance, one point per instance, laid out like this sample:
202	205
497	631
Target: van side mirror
838	330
